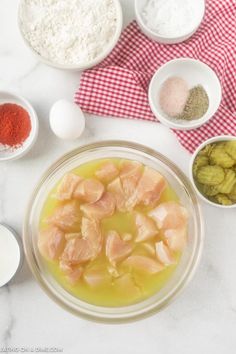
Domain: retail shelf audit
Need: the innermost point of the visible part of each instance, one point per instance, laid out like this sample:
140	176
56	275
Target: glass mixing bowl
189	259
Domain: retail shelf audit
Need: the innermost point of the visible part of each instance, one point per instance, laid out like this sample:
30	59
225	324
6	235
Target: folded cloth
118	86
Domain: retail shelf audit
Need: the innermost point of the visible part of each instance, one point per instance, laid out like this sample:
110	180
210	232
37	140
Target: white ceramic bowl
13	254
195	73
139	4
207	142
13	154
87	65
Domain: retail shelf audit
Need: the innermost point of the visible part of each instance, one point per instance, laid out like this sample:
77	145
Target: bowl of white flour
169	21
70	34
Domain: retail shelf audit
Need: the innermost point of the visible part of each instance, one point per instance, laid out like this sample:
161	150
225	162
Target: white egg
67	121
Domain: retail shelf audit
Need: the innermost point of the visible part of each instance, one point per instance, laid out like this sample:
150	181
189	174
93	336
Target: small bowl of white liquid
169	21
10	254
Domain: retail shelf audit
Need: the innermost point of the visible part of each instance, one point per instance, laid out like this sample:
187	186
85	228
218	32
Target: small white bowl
194	72
15	153
12	254
207	142
139	5
87	65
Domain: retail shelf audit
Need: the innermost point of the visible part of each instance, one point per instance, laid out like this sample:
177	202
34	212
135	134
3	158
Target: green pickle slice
200	161
227	185
210	191
223	199
210	175
230	148
220	157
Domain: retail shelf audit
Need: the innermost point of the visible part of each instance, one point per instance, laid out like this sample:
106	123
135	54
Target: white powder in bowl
68	32
173	18
173	96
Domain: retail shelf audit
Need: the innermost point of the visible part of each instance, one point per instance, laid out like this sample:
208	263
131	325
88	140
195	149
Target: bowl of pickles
213	171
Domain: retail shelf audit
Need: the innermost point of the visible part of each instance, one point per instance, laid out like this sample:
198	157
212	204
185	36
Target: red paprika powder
15	124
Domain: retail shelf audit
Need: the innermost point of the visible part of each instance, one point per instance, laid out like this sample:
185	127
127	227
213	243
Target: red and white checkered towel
118	86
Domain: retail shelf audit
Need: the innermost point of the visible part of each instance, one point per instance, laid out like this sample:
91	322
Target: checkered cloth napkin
118	86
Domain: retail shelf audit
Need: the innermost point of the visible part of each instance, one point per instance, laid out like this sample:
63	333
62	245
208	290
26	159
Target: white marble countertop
203	318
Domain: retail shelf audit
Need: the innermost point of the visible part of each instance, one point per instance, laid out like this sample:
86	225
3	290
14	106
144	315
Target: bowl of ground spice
18	126
184	94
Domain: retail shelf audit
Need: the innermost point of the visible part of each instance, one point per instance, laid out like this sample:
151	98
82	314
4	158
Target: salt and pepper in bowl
184	94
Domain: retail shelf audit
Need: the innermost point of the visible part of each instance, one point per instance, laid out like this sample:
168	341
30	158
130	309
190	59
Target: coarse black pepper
196	105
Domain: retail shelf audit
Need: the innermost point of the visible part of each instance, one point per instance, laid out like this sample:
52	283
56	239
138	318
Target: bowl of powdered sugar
169	21
70	34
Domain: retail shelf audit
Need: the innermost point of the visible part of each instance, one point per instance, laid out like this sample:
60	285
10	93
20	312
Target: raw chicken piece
75	275
89	190
77	251
115	187
144	264
126	285
130	174
90	241
116	248
169	215
96	276
163	254
67	217
107	172
51	243
150	187
103	208
176	238
67	186
72	235
90	230
65	266
146	228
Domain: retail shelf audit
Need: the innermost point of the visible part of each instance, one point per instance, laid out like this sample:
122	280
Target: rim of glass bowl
55	291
